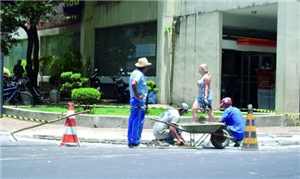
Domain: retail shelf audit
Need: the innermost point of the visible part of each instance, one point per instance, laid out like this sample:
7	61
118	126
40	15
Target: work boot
237	143
132	145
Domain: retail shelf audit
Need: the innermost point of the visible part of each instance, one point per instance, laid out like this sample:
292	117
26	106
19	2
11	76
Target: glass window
121	47
58	45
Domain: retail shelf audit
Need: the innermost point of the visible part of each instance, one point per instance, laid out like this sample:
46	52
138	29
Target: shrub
152	90
86	95
152	86
72	81
6	71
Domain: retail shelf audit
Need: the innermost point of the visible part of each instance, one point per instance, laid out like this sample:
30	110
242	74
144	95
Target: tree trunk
29	51
33	46
35	56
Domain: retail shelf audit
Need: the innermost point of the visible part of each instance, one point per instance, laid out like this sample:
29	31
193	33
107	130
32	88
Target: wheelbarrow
220	136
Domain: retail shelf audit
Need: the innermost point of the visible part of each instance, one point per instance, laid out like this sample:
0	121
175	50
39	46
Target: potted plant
152	90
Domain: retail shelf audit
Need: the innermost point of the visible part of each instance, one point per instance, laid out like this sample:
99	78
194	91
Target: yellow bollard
250	138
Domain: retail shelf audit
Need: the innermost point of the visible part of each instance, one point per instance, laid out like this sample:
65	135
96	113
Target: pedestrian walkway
267	136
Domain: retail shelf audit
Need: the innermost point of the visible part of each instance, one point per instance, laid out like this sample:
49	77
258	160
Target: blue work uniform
137	110
235	122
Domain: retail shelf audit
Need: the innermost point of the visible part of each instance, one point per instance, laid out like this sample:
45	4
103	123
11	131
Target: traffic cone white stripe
70	112
70	130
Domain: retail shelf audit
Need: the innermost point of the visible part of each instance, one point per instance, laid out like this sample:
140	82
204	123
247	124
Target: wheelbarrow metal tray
203	127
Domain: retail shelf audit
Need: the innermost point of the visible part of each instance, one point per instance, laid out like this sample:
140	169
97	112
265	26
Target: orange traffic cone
250	138
70	135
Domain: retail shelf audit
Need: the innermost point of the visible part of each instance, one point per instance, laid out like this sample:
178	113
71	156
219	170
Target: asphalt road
45	159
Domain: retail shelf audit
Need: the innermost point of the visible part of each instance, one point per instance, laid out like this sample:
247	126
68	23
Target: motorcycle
95	82
121	88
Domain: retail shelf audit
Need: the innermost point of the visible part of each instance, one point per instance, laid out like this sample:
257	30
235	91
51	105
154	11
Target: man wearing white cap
234	120
138	94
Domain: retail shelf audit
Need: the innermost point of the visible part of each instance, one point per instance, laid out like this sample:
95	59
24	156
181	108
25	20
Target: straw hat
143	62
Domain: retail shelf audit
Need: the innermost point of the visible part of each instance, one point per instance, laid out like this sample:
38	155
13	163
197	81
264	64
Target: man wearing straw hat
138	94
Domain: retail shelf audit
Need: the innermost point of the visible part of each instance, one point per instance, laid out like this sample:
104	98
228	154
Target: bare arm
175	134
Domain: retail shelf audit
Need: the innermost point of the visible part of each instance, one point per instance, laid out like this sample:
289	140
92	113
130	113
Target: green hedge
86	95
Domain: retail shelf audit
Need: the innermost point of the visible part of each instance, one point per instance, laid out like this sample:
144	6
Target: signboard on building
72	6
69	12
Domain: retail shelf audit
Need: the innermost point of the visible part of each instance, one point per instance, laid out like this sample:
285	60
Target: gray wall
288	58
198	41
187	7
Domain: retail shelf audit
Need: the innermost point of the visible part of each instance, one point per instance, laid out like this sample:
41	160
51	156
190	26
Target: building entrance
248	78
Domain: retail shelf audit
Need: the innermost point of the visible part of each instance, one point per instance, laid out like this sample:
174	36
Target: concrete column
87	34
199	41
209	50
288	57
164	51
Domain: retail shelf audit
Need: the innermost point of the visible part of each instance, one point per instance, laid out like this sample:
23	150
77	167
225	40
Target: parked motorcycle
121	88
95	82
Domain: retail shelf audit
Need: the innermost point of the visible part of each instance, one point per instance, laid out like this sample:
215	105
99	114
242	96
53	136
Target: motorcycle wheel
38	95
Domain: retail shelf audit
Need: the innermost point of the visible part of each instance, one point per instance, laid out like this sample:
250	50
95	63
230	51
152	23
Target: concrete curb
84	120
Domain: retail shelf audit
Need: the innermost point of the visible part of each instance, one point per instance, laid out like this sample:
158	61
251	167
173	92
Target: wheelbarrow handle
170	124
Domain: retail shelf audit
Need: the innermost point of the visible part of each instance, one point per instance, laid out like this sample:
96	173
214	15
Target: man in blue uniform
234	121
138	94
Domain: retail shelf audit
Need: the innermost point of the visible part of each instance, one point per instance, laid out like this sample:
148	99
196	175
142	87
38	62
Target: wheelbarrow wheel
218	139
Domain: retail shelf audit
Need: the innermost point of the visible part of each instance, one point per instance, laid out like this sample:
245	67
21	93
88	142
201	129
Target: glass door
257	80
250	66
248	78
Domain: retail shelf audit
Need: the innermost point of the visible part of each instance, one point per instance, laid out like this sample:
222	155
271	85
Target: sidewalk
266	136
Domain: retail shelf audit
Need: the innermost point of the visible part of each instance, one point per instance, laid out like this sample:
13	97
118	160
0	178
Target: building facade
252	48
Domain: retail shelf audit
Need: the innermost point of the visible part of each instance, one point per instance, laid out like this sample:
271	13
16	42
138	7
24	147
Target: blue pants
202	105
136	121
237	136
